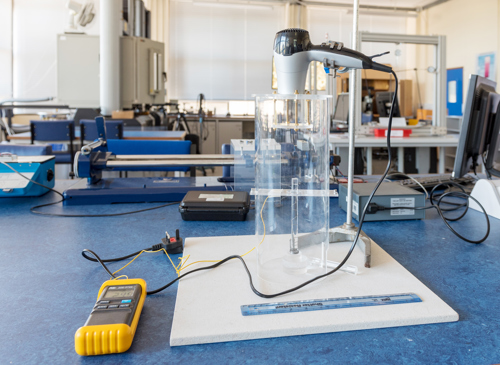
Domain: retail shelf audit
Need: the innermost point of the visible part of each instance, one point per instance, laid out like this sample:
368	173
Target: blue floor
48	290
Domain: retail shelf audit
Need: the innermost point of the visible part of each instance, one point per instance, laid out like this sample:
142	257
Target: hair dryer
293	51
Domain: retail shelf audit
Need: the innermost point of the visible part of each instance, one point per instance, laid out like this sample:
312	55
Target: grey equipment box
388	195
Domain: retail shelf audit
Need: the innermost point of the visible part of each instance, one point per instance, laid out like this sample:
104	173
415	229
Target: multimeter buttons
111	325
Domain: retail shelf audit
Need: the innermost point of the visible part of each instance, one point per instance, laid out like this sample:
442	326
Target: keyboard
430	182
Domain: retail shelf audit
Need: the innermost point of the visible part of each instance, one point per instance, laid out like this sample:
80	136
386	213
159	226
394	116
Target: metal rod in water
296	110
287	112
294	242
308	110
275	114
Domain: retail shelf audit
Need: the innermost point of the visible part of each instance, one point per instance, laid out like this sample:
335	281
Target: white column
401	159
111	29
369	160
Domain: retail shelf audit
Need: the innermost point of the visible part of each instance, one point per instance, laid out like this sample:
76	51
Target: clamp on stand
91	161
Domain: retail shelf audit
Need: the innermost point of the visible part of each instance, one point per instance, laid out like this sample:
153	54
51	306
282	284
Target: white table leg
401	159
442	157
369	161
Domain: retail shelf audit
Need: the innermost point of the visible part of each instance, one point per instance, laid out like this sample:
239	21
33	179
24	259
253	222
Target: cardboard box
406	98
122	114
424	114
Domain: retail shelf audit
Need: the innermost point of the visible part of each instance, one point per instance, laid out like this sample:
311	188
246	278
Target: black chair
195	149
55	131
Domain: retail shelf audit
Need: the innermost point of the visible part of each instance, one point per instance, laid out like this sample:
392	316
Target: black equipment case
215	206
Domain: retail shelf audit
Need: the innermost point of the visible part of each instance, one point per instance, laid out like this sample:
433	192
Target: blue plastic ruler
329	303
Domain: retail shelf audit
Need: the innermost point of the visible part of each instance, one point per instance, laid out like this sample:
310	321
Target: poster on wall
454	90
486	65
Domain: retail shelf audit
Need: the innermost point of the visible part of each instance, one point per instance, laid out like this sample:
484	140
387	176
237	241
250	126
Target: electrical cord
411	178
34	211
347	256
112	260
374	208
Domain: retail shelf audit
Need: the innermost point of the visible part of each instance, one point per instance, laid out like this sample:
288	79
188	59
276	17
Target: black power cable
33	209
110	260
374	207
361	220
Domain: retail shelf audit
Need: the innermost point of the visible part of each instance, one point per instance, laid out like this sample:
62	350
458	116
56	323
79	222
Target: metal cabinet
141	70
228	131
209	135
78	70
217	132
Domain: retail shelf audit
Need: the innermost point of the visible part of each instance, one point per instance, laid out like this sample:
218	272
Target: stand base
347	232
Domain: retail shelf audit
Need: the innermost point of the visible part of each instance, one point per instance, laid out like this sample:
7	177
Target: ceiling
392	3
406	4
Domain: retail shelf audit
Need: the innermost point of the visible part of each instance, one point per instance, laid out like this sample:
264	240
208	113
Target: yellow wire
183	262
121	276
140	253
213	261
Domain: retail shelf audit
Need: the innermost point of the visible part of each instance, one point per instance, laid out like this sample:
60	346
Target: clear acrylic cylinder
292	200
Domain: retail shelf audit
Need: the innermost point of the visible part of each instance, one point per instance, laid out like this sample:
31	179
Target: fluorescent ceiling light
386	13
218	4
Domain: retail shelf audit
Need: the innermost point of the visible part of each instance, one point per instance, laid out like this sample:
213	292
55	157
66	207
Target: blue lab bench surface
48	289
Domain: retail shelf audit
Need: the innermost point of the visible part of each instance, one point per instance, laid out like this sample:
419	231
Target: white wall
336	24
470	27
5	49
36	25
222	52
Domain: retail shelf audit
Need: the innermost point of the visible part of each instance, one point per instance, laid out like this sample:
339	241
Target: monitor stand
487	193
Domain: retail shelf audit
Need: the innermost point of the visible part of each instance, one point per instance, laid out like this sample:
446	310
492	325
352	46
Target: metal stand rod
347	232
353	106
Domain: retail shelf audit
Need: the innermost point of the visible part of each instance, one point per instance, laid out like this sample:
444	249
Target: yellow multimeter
111	325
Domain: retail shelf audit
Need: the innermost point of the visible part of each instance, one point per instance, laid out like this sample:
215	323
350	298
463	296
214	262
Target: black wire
112	260
354	242
440	210
449	183
100	261
32	209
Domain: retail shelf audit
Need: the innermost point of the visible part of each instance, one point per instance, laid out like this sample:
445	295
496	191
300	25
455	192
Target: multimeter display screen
121	293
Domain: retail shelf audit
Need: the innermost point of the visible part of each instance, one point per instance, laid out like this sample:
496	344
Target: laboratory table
48	289
341	141
135	133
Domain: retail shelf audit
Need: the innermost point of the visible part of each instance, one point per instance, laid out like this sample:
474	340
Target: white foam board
207	308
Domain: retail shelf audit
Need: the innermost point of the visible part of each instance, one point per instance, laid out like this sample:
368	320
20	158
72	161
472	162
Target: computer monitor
383	99
477	124
493	158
